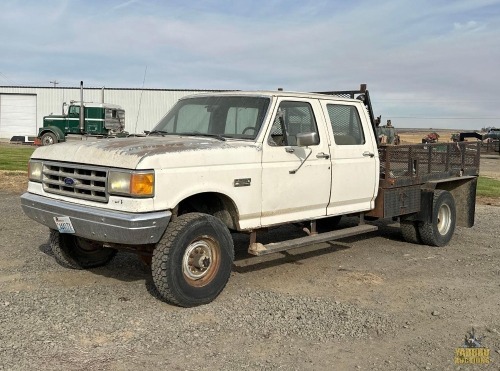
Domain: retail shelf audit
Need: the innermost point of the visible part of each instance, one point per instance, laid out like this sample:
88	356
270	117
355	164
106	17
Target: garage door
17	115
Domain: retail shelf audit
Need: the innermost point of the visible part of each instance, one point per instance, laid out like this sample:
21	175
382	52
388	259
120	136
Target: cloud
418	51
124	4
470	26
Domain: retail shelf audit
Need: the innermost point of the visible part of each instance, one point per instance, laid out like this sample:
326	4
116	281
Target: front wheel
78	253
440	230
192	262
48	139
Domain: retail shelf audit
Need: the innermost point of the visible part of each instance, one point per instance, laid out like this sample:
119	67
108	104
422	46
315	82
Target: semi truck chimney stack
102	95
82	109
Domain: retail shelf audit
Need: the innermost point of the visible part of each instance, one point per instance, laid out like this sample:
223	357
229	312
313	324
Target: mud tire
410	231
192	262
77	253
444	217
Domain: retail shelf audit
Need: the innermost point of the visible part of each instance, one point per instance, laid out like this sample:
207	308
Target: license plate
63	224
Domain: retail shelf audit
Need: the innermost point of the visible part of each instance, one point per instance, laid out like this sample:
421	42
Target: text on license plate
63	224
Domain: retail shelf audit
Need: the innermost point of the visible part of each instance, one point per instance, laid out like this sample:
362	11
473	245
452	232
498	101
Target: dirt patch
13	182
492	201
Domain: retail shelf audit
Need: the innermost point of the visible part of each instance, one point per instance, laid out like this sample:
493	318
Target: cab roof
270	94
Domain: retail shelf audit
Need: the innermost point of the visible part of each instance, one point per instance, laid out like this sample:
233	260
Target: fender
55	130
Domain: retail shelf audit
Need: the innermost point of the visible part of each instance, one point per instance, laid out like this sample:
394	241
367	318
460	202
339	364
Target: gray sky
427	63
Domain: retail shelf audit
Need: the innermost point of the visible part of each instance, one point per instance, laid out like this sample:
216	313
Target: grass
488	187
15	157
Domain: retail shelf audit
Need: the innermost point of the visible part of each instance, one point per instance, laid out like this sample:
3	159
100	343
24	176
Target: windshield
224	116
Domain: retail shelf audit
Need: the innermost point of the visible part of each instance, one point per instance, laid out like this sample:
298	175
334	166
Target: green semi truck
79	120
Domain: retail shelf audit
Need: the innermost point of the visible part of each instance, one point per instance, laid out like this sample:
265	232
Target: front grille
85	182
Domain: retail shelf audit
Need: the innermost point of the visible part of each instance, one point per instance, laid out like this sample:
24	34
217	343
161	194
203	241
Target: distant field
412	137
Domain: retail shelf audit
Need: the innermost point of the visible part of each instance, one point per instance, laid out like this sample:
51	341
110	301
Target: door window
346	124
291	119
74	111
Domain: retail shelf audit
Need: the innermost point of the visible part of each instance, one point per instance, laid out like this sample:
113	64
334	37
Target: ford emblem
69	181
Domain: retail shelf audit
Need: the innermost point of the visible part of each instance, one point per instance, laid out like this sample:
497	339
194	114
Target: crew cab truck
242	161
83	120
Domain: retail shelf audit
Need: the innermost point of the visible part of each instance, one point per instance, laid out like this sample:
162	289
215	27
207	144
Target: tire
328	224
48	138
192	262
444	217
410	231
78	253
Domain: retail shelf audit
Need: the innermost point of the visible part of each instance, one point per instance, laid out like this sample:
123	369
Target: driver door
304	194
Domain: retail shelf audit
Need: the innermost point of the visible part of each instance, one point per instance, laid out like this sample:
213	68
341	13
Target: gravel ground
370	303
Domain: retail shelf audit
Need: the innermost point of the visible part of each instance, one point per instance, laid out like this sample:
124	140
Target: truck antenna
140	99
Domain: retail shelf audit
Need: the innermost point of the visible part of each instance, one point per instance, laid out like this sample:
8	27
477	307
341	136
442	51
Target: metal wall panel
141	113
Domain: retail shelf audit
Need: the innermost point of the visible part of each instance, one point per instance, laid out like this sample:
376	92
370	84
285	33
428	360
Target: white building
22	108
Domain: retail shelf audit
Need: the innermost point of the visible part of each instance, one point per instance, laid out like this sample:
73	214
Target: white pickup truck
242	161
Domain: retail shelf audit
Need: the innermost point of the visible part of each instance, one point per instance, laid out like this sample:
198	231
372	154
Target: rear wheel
192	262
78	253
48	139
410	231
440	230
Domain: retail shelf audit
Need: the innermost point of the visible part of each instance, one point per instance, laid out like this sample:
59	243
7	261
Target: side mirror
307	139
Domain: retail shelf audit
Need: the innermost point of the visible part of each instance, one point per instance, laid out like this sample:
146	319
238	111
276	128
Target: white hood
151	152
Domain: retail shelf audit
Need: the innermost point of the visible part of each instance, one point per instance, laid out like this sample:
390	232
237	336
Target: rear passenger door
355	162
289	195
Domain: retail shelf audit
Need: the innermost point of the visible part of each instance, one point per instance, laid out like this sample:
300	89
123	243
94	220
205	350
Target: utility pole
55	82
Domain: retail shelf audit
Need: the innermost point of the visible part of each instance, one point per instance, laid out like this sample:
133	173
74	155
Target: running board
259	249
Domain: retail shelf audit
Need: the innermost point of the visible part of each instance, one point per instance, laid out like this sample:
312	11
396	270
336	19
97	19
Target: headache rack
363	95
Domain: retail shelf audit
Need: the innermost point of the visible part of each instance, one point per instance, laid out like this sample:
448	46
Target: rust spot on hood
150	146
129	152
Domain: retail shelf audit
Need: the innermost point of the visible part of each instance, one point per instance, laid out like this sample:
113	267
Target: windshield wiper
161	132
216	136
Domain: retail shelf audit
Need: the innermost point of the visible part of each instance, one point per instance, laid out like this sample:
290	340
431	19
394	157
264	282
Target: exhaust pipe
82	110
102	95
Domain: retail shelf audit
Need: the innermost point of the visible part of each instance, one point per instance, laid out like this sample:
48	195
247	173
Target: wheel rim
86	245
444	219
201	261
47	140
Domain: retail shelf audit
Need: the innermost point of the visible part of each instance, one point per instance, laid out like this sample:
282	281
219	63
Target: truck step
259	249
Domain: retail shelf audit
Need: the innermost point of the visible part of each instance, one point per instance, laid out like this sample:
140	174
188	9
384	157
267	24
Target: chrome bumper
98	224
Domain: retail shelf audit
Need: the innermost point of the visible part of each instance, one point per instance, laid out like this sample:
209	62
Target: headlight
35	171
135	184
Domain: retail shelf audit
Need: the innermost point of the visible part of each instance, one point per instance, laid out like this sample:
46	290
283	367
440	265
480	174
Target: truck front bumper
98	224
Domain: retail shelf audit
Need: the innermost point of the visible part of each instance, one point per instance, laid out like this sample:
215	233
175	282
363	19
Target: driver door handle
366	154
323	155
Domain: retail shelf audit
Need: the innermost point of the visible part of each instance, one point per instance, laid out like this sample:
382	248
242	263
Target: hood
148	152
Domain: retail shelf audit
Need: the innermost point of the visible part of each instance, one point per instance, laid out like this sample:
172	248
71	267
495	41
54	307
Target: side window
291	119
74	111
346	124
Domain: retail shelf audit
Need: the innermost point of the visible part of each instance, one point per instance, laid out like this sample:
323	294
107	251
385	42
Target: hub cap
444	219
200	261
